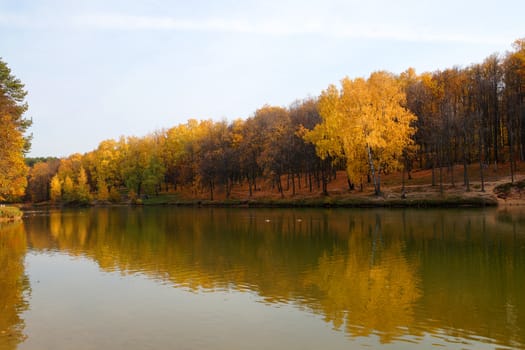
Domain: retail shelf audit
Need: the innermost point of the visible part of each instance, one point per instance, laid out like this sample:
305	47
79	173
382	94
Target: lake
213	278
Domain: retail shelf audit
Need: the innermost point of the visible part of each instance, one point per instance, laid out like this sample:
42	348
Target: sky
100	69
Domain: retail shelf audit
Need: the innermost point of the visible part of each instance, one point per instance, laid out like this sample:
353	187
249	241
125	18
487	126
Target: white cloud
125	22
335	27
284	27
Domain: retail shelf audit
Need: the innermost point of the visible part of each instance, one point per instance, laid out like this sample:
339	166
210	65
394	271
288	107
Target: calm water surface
181	278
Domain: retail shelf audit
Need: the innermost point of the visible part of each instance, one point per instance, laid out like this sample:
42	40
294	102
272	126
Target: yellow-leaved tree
55	189
82	187
365	122
13	144
13	170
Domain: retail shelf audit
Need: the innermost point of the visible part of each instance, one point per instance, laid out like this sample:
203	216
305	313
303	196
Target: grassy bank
10	213
311	202
352	201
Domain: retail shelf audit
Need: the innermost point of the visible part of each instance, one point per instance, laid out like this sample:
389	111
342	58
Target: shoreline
312	202
499	191
338	202
496	195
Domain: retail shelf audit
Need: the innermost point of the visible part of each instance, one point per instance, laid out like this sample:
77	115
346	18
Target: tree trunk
403	195
279	185
482	178
372	170
324	176
433	170
228	188
452	178
511	154
378	181
293	184
440	179
325	186
349	182
466	180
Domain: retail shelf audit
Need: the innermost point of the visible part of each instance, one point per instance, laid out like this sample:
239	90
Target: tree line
196	157
368	127
469	115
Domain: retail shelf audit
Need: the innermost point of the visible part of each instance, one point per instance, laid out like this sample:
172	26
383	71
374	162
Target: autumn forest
365	127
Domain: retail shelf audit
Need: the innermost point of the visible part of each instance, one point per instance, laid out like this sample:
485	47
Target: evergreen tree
13	144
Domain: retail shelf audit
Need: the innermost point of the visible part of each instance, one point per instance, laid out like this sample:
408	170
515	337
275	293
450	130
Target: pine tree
13	144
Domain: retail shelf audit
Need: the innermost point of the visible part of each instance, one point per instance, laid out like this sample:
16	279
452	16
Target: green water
182	278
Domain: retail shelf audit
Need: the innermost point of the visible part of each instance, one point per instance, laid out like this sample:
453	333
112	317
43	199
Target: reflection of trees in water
473	276
373	288
14	284
511	216
366	271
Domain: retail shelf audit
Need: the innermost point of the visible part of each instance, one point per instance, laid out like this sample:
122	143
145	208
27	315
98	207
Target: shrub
114	195
10	213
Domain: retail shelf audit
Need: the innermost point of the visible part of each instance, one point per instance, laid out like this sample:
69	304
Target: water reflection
14	284
373	287
399	275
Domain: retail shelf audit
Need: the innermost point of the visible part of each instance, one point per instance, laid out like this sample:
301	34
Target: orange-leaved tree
13	144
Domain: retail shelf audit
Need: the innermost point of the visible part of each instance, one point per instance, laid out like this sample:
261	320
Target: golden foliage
13	171
55	190
365	123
